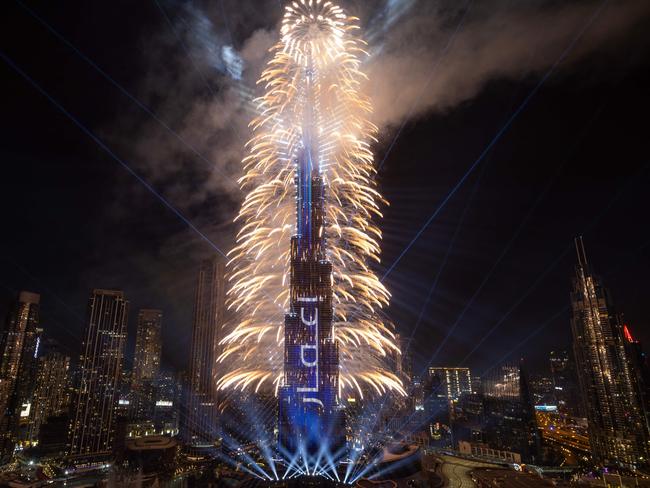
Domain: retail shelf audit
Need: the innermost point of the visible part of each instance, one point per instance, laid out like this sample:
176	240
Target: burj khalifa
308	413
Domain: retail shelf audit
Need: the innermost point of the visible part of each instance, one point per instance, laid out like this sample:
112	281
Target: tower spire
582	255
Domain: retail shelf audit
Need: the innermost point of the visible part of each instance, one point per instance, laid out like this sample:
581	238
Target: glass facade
617	427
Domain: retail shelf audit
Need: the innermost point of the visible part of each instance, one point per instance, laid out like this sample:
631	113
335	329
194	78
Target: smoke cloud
200	80
422	66
200	66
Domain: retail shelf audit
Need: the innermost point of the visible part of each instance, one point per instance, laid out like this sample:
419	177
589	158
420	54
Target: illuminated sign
26	408
546	408
122	401
164	403
309	351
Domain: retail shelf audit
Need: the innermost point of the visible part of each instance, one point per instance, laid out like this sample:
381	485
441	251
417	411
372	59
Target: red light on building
627	334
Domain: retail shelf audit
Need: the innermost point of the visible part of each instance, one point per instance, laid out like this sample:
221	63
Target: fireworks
317	44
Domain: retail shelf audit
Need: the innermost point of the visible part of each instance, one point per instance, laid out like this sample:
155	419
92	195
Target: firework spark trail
259	264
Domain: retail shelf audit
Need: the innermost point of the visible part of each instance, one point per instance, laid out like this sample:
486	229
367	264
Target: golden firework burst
259	263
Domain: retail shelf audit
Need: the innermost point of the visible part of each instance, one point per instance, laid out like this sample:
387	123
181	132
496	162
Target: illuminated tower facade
617	427
308	397
307	236
92	430
201	429
18	364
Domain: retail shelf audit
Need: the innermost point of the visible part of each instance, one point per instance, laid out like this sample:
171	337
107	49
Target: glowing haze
259	263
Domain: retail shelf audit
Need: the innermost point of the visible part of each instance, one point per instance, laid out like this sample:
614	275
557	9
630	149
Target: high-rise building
435	418
124	407
443	387
168	396
19	349
477	384
92	430
52	392
146	364
405	370
308	398
541	387
641	369
467	418
509	422
617	426
454	381
503	382
148	345
564	381
201	429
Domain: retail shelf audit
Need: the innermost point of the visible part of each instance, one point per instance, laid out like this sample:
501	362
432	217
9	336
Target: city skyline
335	243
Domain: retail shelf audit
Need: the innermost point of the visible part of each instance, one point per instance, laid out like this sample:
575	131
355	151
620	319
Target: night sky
560	151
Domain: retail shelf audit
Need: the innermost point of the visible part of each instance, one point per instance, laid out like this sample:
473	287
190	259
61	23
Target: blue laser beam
500	133
445	259
536	331
426	85
521	299
108	150
185	48
516	234
125	92
634	178
548	269
225	21
495	265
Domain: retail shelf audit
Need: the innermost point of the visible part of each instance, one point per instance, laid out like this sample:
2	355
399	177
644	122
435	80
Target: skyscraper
509	422
168	393
148	345
92	430
308	397
201	429
309	161
454	381
503	382
639	364
435	416
564	382
52	391
146	363
18	365
403	364
617	427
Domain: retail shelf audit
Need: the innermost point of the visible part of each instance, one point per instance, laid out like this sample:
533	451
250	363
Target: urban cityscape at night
286	243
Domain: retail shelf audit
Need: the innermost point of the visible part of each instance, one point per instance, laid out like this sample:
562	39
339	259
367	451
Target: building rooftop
107	292
505	478
152	442
398	451
29	297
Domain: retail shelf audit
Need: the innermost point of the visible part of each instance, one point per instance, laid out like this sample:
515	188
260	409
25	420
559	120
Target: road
457	470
